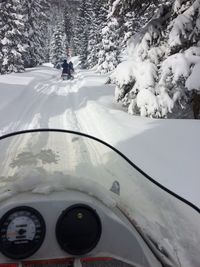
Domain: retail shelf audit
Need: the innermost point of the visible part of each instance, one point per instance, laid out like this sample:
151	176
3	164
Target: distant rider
65	67
71	69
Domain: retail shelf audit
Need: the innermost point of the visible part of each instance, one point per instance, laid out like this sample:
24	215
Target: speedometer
22	232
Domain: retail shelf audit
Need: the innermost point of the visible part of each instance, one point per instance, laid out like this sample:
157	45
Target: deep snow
167	150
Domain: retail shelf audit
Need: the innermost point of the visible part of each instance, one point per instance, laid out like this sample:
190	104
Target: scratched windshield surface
44	162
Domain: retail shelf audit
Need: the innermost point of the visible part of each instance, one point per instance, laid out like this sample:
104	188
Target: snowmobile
69	199
66	76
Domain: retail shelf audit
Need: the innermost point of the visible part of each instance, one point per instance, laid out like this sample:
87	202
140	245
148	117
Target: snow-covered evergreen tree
163	59
98	22
68	26
110	50
82	31
44	19
76	39
130	26
58	50
11	36
36	14
92	40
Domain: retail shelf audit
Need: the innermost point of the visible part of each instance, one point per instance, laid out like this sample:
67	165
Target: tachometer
22	232
78	229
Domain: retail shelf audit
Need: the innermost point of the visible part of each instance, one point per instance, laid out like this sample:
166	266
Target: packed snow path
167	150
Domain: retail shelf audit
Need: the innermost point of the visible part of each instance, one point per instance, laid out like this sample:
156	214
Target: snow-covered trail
23	97
168	150
40	99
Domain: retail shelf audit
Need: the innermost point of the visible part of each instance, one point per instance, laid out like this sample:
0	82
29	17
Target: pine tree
44	19
109	54
131	25
92	40
11	36
98	22
68	26
163	61
82	31
71	25
58	50
36	14
77	32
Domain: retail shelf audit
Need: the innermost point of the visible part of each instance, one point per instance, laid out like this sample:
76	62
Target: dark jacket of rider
65	67
71	67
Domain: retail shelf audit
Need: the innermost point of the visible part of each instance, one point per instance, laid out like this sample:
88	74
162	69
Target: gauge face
78	230
22	232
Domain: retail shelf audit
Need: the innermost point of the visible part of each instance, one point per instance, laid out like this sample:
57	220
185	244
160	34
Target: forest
150	49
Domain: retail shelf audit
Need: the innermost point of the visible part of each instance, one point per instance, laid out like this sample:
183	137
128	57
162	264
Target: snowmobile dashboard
69	225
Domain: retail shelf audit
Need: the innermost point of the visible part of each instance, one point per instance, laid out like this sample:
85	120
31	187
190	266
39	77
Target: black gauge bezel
59	234
25	254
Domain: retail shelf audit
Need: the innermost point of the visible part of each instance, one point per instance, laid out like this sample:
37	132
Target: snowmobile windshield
41	162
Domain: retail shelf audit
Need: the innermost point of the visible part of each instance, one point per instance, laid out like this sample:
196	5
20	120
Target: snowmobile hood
45	161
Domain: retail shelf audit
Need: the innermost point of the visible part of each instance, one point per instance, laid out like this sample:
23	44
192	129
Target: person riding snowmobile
71	69
65	67
68	69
